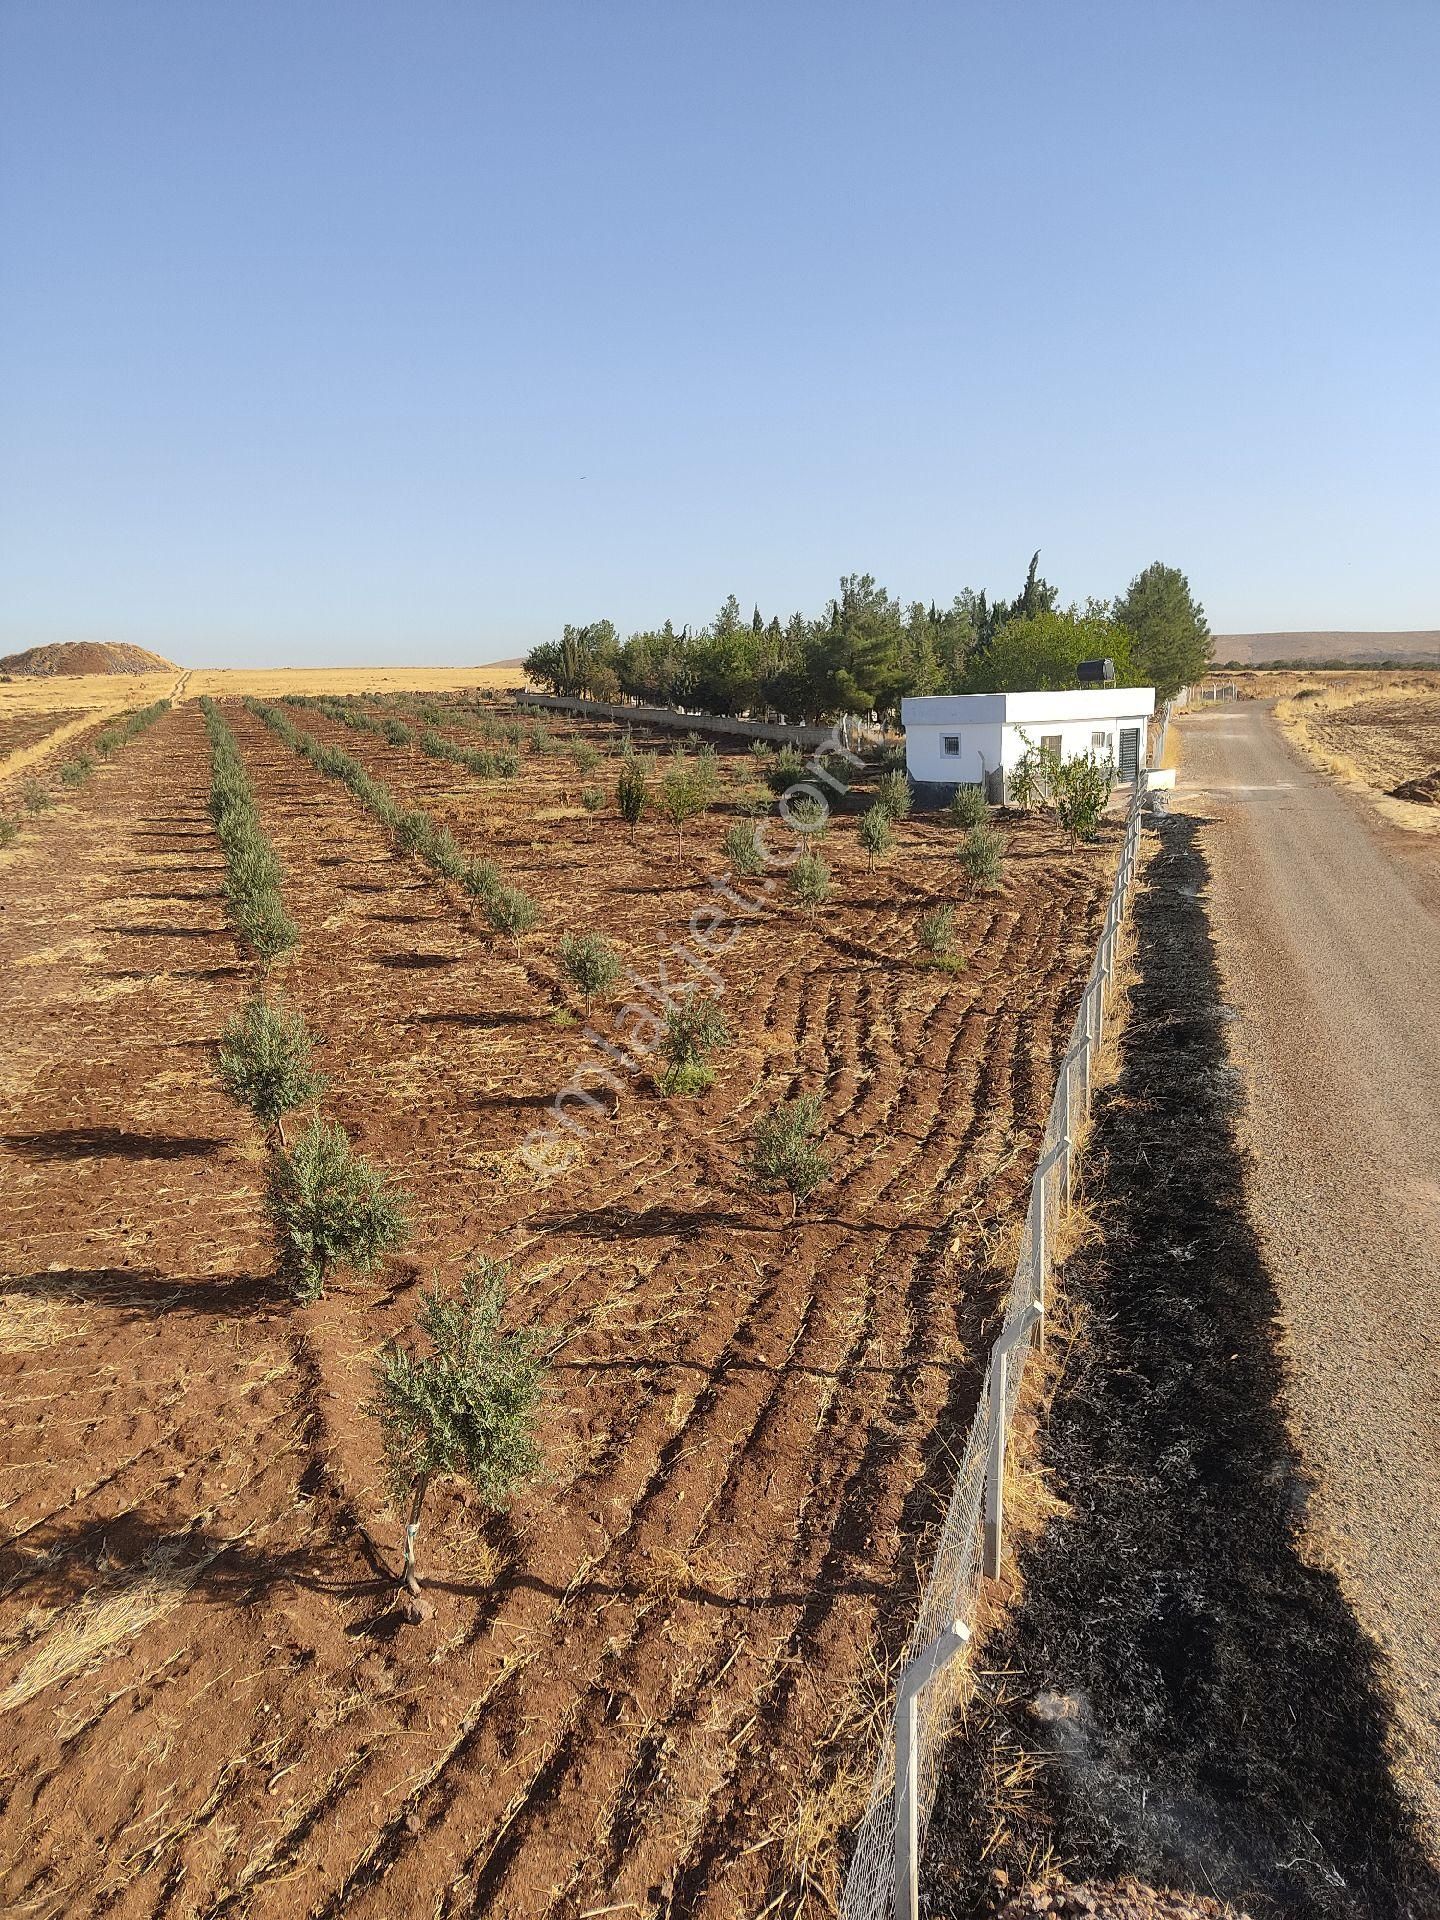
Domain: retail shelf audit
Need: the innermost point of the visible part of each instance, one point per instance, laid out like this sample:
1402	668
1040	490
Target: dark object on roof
1096	673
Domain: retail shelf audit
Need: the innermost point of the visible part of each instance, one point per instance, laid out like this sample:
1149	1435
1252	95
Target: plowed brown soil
643	1690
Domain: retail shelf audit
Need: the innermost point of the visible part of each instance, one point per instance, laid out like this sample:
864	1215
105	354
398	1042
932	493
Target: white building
975	739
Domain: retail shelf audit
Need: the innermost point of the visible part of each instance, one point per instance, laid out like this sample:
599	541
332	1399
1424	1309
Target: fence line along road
884	1878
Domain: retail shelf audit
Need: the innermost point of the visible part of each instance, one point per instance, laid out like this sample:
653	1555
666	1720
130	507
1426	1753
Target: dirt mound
1114	1900
86	656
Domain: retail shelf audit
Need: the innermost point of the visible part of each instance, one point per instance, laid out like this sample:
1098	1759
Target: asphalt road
1327	923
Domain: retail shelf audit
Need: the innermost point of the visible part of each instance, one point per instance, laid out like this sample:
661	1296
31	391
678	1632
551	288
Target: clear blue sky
409	331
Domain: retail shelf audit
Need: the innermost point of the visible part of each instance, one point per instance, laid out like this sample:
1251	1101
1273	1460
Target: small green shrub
511	911
480	878
967	808
592	799
587	758
787	767
266	1062
74	773
809	816
9	829
743	849
1081	789
893	794
809	882
35	798
465	1406
936	934
874	834
330	1206
589	962
694	1028
982	856
784	1152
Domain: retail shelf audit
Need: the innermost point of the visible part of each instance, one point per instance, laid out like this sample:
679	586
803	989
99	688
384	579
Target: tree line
867	651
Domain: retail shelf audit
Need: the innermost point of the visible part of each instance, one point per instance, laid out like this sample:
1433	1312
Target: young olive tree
936	934
967	808
265	1062
809	882
694	1028
982	856
874	834
743	849
463	1405
589	962
683	795
330	1206
893	794
511	911
1082	789
632	791
784	1155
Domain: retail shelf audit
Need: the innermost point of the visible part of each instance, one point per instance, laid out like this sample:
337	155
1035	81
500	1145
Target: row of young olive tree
508	908
77	768
460	1396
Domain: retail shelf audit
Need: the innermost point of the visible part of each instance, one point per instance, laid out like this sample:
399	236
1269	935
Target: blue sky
410	331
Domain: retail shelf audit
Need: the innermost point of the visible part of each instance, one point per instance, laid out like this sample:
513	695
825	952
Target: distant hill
86	656
1344	649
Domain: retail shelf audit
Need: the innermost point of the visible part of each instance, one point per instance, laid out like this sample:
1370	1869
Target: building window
1100	743
950	745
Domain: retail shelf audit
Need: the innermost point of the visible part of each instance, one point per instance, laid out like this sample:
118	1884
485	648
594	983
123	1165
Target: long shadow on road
1179	1694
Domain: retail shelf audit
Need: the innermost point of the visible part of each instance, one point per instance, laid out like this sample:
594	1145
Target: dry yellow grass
1370	760
95	692
273	683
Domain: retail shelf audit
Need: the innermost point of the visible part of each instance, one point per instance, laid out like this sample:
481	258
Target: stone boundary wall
781	733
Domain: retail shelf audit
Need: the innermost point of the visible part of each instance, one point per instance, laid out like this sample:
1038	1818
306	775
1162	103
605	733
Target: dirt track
1328	932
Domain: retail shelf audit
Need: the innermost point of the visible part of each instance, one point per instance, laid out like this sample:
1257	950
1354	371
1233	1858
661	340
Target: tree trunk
408	1577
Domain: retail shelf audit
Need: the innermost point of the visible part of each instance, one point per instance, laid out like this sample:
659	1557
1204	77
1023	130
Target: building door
1129	752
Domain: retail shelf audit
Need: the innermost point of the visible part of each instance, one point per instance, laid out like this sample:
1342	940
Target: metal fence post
920	1671
995	1463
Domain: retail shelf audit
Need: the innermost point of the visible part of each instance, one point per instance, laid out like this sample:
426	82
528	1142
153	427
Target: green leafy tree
1172	644
1043	651
463	1403
266	1062
590	963
330	1206
874	833
784	1152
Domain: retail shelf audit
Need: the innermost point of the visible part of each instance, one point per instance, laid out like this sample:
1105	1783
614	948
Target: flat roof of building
1070	703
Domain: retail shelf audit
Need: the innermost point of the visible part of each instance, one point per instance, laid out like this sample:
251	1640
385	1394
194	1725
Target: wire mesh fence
883	1880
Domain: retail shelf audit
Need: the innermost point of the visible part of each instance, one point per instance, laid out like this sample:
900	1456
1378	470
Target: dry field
1377	733
648	1688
